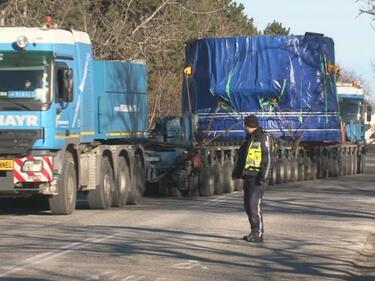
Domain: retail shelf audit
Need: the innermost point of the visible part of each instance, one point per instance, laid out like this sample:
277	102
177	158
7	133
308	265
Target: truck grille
18	142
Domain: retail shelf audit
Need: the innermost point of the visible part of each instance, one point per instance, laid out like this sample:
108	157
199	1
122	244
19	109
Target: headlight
22	42
32	166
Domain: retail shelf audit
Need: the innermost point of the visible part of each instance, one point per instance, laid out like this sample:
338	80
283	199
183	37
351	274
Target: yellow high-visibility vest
254	156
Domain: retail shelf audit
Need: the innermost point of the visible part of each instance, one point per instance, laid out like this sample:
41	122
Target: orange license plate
6	165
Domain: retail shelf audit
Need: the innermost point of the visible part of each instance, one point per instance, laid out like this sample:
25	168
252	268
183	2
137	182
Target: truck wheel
139	183
228	182
101	197
219	179
120	196
206	181
65	202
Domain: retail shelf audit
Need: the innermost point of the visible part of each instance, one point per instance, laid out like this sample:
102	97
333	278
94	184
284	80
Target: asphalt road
314	230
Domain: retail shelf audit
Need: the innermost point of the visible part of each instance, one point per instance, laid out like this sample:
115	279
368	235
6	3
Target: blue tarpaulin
284	80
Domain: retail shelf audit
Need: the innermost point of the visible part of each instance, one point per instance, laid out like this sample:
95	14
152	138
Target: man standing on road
254	165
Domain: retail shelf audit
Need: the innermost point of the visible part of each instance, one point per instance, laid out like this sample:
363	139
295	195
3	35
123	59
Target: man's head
251	123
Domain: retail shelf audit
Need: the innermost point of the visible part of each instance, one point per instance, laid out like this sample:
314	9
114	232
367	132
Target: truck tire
219	179
122	184
139	182
101	197
206	181
228	182
65	202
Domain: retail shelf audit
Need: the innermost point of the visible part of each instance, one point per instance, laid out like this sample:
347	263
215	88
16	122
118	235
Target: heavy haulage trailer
70	123
287	81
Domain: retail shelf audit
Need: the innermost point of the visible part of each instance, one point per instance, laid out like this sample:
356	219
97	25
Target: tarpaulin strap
300	117
273	102
227	86
325	78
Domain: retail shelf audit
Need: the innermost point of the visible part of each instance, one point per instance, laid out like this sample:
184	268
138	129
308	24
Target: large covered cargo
287	81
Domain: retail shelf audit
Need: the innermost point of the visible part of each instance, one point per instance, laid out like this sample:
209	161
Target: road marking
53	254
189	265
219	199
134	278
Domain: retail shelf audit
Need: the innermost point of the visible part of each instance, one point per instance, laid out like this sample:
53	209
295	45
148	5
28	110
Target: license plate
6	165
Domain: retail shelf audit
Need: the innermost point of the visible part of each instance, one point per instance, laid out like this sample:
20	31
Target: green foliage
276	28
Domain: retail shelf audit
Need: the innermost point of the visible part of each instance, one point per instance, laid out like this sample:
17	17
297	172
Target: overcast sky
353	35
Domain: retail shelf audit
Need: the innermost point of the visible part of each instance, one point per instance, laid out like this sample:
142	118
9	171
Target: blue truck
69	122
289	82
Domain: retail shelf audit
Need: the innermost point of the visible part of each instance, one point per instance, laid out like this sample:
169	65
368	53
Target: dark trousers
252	197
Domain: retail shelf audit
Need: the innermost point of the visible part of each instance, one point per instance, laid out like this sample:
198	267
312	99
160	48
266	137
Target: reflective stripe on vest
254	156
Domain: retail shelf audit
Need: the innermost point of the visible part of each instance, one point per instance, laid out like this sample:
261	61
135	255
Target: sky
354	36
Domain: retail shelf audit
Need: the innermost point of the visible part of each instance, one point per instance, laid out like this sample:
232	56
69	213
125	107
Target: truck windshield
24	88
25	80
350	111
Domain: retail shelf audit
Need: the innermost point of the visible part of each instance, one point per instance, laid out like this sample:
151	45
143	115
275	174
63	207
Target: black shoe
253	238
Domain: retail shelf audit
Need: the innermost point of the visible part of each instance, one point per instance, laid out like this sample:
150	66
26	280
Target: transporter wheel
307	164
193	185
314	169
323	169
355	164
273	177
219	179
65	202
120	195
347	164
333	167
139	183
238	184
101	197
293	170
280	171
301	170
361	164
228	182
206	181
287	167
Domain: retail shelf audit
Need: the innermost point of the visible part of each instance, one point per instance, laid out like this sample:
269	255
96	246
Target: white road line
189	265
128	278
53	254
219	199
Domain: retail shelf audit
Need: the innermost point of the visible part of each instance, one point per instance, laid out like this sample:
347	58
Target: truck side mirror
369	112
68	85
